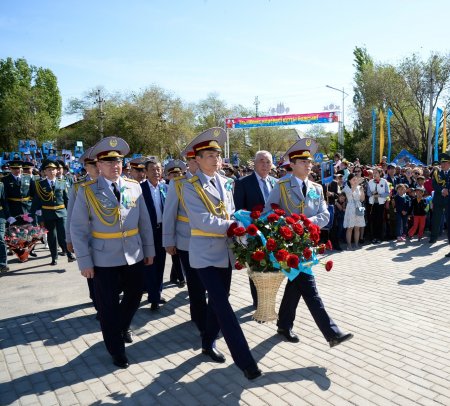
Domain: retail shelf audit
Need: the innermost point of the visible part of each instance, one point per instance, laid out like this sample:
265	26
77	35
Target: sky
281	51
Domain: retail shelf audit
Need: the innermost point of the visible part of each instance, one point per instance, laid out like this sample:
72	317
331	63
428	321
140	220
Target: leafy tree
30	103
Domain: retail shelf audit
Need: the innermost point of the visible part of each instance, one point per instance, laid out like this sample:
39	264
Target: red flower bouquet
276	242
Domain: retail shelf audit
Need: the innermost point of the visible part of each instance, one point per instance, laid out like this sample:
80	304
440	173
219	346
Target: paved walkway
395	299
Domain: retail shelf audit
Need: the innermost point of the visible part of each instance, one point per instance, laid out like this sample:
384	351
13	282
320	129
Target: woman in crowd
378	191
408	179
354	212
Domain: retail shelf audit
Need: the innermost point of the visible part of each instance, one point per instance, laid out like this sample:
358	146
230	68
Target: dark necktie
52	184
213	183
265	189
304	189
116	191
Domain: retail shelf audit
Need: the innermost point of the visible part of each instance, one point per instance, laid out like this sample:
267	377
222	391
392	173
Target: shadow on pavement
435	271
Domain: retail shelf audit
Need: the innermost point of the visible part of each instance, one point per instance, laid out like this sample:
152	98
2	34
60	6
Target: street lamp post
341	126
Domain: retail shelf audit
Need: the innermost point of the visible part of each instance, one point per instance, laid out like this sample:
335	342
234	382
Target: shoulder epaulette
283	180
180	177
78	182
193	179
89	182
130	180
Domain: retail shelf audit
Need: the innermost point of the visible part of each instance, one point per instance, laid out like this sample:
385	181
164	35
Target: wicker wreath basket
267	285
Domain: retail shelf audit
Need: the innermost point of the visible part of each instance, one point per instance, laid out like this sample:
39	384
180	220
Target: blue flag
436	133
388	119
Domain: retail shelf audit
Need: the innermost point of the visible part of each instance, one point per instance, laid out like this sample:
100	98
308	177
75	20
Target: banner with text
288	119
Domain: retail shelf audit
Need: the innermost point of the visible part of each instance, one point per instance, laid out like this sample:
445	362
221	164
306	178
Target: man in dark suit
4	217
253	190
154	192
440	196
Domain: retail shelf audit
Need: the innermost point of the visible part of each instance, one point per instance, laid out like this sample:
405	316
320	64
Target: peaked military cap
110	149
86	158
304	148
15	164
28	165
49	164
175	165
212	139
444	157
139	163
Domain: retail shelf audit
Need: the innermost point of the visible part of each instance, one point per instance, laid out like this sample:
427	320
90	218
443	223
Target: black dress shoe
432	241
162	301
33	254
70	257
127	336
120	361
62	253
214	354
54	262
340	339
4	268
154	306
252	373
289	335
181	284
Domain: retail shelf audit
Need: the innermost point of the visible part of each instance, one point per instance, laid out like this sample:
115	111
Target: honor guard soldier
113	240
90	165
4	216
154	191
439	181
137	171
18	189
208	198
50	202
299	195
174	169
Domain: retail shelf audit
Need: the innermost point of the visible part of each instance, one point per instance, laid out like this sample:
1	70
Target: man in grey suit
208	197
299	195
113	239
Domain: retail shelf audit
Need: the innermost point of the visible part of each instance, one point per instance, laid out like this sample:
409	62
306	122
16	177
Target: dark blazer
146	192
18	194
247	193
4	211
52	203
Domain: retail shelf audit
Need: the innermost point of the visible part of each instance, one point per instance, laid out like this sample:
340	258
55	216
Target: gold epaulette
89	182
130	180
179	177
283	180
193	179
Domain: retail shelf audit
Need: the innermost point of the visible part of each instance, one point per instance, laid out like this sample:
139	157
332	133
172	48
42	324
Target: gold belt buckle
125	234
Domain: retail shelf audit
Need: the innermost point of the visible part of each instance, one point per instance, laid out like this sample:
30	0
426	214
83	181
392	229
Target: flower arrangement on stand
21	239
273	245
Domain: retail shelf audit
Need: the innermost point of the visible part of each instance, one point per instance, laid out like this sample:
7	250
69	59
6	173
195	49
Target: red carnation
290	220
322	248
307	253
252	230
286	233
258	207
271	244
298	229
328	245
306	222
315	238
302	217
238	266
280	212
272	218
230	231
274	206
255	215
281	255
258	256
329	265
295	216
239	231
312	228
292	261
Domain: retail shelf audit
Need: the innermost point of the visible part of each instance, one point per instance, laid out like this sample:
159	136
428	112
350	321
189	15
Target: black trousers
376	215
56	231
304	285
176	273
115	314
153	275
198	305
439	210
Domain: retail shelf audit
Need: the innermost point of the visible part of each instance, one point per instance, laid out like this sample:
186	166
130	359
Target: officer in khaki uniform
50	202
297	194
208	197
176	236
90	165
113	240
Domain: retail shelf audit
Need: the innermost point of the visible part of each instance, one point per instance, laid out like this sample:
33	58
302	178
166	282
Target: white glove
38	212
11	220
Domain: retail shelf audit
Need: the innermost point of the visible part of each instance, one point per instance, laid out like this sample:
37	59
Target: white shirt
300	183
209	178
260	183
50	182
156	196
109	182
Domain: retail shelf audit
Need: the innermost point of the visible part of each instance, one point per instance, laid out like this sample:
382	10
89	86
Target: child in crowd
339	214
419	211
402	207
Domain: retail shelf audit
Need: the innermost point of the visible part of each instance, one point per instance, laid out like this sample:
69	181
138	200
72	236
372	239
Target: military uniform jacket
51	201
18	194
176	228
4	210
439	181
209	209
105	233
72	196
288	195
